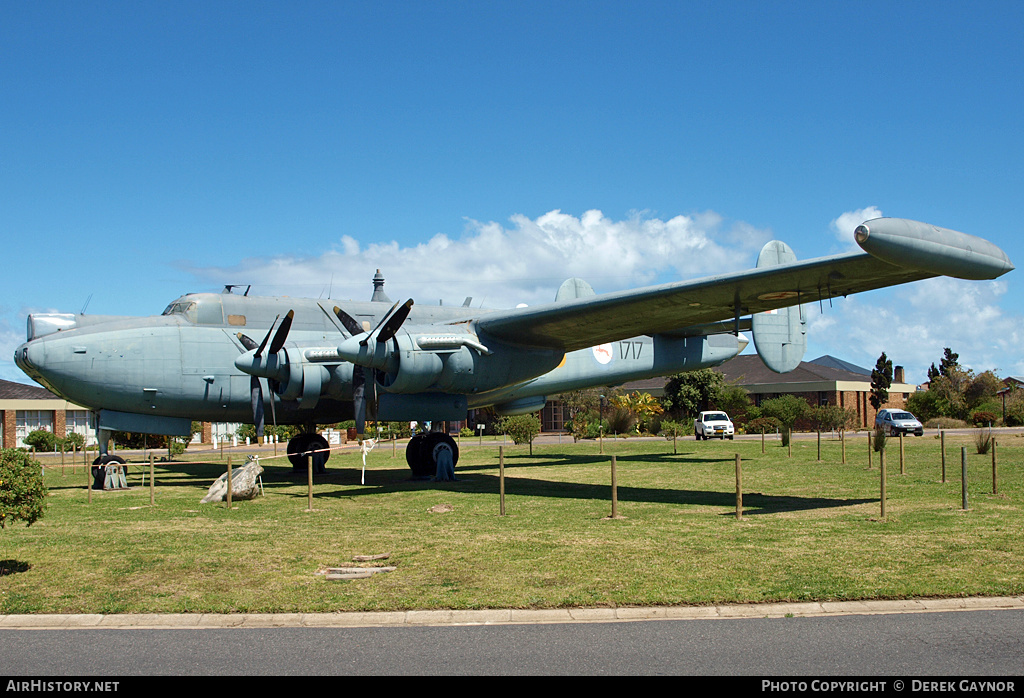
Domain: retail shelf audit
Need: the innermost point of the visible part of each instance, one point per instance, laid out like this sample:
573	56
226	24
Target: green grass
811	531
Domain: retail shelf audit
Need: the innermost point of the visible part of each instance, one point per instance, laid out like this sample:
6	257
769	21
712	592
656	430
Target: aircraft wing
897	251
587	322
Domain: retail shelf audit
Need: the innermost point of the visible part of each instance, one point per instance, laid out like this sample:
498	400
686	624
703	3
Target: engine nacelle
458	363
526	405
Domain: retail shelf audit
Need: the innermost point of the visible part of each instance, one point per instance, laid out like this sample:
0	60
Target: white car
713	424
896	422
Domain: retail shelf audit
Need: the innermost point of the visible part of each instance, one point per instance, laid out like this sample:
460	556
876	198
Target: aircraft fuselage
183	363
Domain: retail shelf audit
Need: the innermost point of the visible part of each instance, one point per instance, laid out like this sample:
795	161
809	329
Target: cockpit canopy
198	309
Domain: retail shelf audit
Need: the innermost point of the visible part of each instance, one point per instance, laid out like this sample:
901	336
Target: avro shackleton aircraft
210	354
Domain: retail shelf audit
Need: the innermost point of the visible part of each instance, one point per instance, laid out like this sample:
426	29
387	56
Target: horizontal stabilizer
780	336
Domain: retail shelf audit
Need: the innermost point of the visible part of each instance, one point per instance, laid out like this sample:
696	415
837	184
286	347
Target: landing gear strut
425	450
99	472
311	444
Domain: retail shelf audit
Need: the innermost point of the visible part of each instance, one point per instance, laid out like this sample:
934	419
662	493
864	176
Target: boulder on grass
244	484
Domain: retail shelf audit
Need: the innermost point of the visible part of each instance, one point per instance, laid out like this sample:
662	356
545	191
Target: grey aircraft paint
217	357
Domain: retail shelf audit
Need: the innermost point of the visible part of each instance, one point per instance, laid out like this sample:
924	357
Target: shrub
945	423
670	428
982	440
1014	416
763	425
22	493
41	440
521	427
621	421
73	442
984	418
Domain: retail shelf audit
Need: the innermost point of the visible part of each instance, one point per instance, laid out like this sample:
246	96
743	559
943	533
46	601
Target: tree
832	417
949	362
691	392
521	427
22	492
643	406
881	379
735	401
580	402
982	389
787	409
952	390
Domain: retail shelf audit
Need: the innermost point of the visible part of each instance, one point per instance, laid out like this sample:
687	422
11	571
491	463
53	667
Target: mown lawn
811	530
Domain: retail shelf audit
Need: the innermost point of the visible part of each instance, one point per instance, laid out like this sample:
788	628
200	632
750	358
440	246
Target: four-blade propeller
256	367
357	349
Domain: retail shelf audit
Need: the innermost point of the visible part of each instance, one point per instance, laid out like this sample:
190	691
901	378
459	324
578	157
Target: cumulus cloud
912	324
525	261
10	339
843	226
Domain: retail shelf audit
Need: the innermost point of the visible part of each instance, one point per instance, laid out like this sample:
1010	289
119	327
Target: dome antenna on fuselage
378	288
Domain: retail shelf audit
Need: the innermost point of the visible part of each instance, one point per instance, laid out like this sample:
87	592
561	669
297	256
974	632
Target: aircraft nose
21	357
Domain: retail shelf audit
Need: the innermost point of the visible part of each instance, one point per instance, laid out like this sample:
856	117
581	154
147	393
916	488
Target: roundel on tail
780	336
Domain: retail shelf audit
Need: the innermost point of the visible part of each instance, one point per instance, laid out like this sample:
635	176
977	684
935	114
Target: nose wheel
108	479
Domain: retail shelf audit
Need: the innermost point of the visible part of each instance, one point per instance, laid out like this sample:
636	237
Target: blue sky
492	149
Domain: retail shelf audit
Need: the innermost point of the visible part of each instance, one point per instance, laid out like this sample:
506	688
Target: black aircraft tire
415	456
297	446
99	473
303	443
319	444
419	454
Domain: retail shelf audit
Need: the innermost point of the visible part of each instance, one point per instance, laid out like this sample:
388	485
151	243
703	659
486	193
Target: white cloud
843	226
912	324
11	339
523	262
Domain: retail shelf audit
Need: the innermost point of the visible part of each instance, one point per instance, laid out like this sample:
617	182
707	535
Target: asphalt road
946	644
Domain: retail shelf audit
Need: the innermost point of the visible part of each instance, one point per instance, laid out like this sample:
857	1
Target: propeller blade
363	342
247	342
256	397
359	397
391	324
282	332
372	401
348	322
259	350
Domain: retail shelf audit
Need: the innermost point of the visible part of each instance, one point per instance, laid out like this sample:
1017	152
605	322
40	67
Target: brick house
26	408
823	381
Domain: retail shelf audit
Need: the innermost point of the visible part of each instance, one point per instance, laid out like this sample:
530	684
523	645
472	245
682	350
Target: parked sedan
897	422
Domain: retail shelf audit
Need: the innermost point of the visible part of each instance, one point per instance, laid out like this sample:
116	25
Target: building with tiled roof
819	382
26	408
823	381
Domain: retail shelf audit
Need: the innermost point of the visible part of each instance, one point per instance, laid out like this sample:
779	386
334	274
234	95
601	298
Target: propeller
255	387
360	350
359	387
391	323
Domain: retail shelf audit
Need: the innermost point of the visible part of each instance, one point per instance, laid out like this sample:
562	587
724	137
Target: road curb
498	616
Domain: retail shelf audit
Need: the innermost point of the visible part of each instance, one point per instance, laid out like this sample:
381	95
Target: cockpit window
186	308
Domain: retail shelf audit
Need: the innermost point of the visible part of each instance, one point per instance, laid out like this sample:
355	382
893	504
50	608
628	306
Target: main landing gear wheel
423	449
302	444
99	473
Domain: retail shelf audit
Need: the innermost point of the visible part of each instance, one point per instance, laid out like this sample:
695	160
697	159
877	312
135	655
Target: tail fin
780	336
573	288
